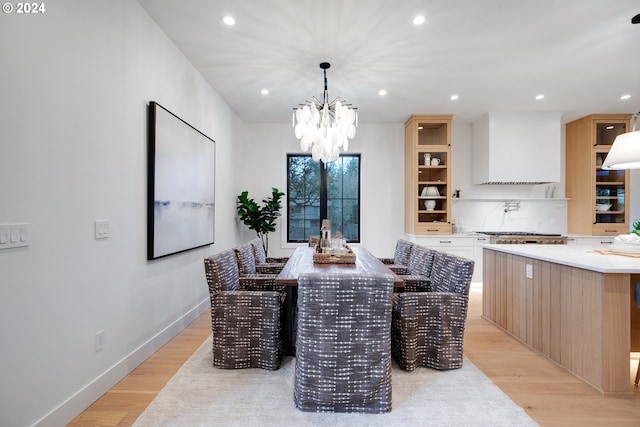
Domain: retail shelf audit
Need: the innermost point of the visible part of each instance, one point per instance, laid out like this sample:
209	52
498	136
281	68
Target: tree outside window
316	191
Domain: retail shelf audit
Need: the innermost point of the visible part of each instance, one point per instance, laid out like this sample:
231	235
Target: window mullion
323	190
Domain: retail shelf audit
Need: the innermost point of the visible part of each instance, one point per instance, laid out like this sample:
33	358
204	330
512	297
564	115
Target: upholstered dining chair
263	263
428	327
248	266
398	264
417	275
343	354
246	324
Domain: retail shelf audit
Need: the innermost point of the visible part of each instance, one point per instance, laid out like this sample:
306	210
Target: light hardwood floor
550	395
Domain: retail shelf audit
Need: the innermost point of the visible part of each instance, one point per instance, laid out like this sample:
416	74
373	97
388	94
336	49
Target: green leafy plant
262	219
636	228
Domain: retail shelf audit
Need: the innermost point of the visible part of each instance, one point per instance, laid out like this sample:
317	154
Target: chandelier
325	126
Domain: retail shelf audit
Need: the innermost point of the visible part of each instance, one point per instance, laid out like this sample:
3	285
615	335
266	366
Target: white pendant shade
624	153
325	126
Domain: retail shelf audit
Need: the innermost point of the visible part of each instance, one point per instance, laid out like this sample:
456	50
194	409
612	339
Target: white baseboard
88	394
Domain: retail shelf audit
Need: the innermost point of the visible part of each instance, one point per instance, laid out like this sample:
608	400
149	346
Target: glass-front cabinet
428	174
598	198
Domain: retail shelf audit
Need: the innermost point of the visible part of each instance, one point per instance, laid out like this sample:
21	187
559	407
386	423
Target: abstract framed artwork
181	185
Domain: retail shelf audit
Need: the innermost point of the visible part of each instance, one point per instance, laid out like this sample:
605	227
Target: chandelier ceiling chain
325	126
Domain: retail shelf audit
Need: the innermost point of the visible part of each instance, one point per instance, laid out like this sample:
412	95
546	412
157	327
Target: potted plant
262	219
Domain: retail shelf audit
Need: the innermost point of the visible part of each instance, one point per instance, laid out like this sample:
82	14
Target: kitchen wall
75	85
481	207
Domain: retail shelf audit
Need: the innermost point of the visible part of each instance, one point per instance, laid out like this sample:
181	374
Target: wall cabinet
428	174
598	198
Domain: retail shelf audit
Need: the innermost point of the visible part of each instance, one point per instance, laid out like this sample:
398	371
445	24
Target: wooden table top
302	262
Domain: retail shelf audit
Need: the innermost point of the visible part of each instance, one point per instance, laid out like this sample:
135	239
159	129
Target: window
316	191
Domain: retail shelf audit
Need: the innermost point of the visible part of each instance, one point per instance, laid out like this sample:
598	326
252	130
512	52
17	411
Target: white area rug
201	395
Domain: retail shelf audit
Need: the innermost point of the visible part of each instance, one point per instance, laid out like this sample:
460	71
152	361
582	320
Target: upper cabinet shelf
428	174
599	202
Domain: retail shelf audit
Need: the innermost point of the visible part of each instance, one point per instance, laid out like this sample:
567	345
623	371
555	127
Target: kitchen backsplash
534	215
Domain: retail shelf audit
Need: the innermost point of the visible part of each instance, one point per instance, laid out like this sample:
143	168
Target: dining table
301	261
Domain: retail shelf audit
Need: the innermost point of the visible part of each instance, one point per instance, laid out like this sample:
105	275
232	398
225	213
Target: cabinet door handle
445	241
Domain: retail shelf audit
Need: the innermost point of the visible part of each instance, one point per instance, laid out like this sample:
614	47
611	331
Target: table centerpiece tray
345	256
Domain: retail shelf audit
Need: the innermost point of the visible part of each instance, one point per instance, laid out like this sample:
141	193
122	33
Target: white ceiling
497	55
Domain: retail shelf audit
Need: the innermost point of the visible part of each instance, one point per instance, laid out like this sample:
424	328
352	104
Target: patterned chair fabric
398	264
261	255
264	264
418	275
246	259
428	327
247	262
247	325
343	358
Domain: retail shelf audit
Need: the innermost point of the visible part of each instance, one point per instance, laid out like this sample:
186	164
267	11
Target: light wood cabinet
428	174
589	188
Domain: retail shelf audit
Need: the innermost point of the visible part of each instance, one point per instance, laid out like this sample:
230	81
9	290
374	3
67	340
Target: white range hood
517	148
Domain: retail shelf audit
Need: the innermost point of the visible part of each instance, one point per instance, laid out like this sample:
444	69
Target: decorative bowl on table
601	207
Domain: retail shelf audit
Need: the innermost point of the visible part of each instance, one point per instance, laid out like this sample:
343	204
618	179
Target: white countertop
574	256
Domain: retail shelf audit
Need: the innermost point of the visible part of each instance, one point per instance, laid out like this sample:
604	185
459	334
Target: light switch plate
14	235
528	271
101	228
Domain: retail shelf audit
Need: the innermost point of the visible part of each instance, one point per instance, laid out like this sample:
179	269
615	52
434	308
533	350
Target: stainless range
516	237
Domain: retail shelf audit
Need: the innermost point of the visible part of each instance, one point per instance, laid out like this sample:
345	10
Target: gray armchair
263	262
247	325
343	357
248	266
398	264
428	327
417	275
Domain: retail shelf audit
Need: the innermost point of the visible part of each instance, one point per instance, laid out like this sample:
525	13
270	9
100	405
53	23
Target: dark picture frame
181	185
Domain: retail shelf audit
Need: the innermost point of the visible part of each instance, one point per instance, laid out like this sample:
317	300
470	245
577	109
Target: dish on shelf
603	207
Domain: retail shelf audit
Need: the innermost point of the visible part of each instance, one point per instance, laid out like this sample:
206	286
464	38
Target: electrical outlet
528	271
99	341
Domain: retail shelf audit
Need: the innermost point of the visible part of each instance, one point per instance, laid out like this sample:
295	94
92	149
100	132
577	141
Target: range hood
516	148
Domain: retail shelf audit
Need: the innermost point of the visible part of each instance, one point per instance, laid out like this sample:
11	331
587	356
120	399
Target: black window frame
323	194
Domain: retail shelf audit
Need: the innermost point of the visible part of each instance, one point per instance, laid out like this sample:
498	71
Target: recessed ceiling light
541	96
623	97
382	92
229	20
454	97
265	91
418	20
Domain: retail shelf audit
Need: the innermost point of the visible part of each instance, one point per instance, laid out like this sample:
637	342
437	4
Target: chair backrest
246	258
420	261
258	251
451	273
222	272
403	252
343	347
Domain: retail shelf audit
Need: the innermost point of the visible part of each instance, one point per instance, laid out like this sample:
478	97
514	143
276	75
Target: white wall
481	207
75	83
382	179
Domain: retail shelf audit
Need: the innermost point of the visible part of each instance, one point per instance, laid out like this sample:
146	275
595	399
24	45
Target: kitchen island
569	303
